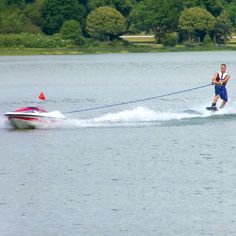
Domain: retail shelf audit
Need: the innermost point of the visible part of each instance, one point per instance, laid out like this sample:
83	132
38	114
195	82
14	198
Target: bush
28	40
117	43
31	28
91	43
170	40
207	40
189	44
71	30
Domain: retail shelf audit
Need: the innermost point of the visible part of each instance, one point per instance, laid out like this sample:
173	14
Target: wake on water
141	116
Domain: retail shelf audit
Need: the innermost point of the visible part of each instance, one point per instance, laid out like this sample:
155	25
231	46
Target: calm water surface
163	167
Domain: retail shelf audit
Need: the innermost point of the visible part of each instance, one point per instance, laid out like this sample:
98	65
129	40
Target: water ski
212	108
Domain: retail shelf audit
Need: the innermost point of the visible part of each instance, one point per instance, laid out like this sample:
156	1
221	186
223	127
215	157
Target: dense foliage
155	16
71	29
105	23
170	21
26	40
196	21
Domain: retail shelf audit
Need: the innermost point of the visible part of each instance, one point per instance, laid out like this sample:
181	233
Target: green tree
230	9
15	2
2	6
155	16
123	6
33	11
215	7
105	23
12	21
180	5
71	29
196	21
55	12
223	28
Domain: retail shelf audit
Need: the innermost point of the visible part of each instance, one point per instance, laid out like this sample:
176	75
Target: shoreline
100	50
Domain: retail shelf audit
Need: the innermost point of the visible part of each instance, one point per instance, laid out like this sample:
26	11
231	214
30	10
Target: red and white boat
32	117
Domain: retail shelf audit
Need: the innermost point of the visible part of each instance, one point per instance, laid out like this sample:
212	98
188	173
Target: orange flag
42	96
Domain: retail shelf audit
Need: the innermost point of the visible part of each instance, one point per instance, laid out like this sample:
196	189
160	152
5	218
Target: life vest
221	76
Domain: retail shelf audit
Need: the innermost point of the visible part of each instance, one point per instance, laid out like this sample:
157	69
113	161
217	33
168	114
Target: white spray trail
139	116
144	116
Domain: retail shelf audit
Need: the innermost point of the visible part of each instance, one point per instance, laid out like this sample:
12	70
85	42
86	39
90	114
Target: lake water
162	167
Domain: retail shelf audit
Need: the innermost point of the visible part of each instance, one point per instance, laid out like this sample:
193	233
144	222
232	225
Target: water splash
140	116
144	116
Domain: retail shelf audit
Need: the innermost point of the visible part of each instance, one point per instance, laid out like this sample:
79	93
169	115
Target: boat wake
141	116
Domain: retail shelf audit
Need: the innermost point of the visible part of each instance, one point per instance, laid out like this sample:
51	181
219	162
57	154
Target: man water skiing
220	80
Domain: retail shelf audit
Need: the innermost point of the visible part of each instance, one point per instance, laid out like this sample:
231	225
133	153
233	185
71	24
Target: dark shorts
222	92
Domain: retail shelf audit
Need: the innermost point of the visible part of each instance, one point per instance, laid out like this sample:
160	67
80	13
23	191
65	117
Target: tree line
105	20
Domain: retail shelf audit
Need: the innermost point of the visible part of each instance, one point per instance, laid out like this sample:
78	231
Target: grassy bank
100	50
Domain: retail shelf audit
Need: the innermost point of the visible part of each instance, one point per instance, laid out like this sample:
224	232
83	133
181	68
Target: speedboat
33	117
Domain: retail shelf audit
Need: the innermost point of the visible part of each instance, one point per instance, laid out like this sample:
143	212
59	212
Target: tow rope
137	100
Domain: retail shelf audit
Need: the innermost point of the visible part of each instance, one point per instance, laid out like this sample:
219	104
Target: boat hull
23	123
33	121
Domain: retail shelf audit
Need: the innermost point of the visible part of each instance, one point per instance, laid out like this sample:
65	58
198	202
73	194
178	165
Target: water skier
220	80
